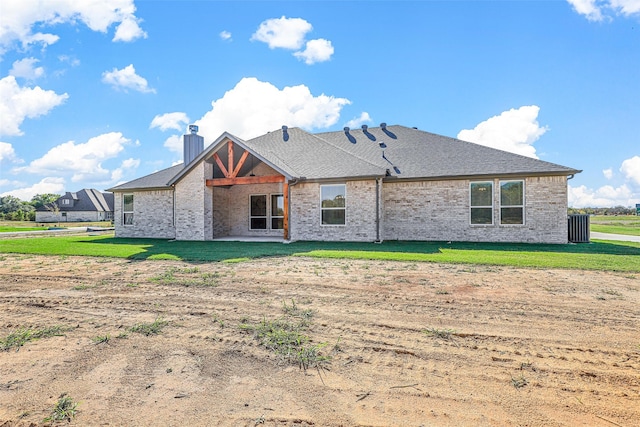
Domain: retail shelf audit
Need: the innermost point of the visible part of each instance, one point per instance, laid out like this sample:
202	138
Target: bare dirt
410	344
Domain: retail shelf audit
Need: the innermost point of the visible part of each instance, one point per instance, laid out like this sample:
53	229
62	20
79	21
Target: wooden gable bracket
231	178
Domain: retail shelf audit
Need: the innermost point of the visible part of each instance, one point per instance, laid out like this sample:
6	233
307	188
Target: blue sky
93	94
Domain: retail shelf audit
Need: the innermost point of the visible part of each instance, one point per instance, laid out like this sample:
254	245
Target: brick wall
305	220
152	215
439	210
194	204
71	216
231	206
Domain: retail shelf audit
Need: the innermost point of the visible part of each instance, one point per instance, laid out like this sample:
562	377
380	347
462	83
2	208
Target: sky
95	93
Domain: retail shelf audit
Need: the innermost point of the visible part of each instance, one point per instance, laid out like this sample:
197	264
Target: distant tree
40	200
14	209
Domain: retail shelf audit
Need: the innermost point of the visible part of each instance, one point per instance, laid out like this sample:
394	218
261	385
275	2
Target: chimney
193	144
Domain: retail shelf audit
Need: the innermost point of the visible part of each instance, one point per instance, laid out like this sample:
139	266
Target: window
127	209
481	203
258	212
277	211
65	201
333	206
511	202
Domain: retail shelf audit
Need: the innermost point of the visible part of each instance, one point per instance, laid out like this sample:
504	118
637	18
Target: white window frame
343	208
65	202
512	206
265	216
125	213
471	207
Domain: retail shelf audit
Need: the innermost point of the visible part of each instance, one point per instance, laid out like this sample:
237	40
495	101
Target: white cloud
631	169
127	165
20	17
588	8
127	78
514	131
8	154
627	194
81	161
359	121
129	30
225	35
608	173
253	107
71	60
47	185
318	50
25	68
605	196
174	144
18	103
598	10
287	33
176	121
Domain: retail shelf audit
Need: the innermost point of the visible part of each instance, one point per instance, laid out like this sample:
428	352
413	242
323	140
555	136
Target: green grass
623	224
64	410
148	329
598	255
5	229
20	337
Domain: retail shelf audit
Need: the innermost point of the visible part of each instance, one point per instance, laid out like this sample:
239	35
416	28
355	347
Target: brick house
368	184
86	205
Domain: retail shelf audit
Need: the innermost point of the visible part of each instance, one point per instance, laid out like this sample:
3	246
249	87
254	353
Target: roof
394	152
86	200
156	180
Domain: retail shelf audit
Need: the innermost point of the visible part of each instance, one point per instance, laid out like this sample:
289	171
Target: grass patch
184	277
20	337
598	255
65	409
622	224
101	339
439	333
147	329
6	229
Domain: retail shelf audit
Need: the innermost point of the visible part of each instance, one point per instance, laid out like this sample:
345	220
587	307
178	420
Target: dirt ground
411	344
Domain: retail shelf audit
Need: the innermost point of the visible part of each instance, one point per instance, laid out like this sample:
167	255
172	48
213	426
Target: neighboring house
82	206
369	184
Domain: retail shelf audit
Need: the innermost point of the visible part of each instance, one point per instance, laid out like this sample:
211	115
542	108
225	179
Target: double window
262	214
127	209
333	204
511	202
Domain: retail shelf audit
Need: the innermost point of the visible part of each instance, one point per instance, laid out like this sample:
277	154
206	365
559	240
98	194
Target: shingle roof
156	180
394	151
86	200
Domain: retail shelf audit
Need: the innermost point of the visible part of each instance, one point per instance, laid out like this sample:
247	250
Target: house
86	205
368	184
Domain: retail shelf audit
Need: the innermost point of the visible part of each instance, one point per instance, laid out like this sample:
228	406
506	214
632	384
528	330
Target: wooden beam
240	164
243	180
285	220
230	162
220	165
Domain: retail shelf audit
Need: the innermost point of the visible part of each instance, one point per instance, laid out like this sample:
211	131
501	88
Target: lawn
622	224
598	255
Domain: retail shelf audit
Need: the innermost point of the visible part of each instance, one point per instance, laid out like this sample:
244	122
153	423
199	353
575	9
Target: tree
39	200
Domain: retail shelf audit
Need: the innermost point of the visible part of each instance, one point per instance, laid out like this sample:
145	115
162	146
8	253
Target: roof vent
285	133
193	129
284	128
365	127
383	145
346	129
383	125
